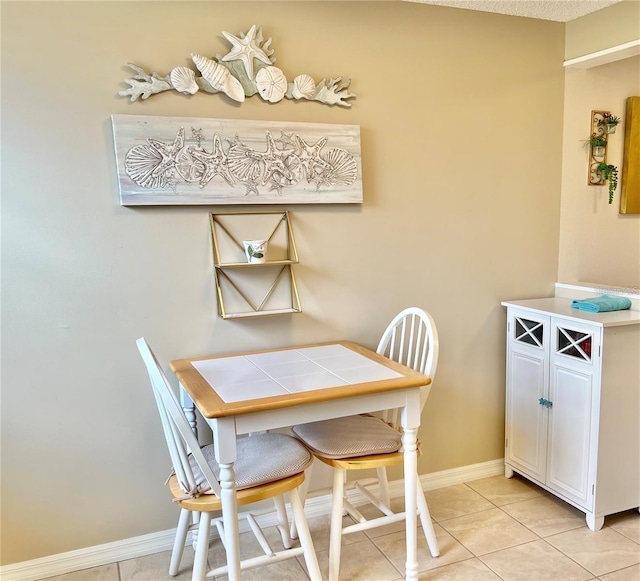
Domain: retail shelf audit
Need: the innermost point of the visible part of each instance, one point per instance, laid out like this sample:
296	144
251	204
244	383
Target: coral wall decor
248	68
181	160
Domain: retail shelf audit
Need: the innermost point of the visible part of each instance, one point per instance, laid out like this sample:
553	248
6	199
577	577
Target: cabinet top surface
560	307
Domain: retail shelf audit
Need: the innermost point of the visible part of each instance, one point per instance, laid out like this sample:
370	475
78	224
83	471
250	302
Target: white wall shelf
605	56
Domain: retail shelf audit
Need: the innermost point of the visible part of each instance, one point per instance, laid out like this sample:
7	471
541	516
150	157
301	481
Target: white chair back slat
188	444
410	347
413	352
187	477
181	440
402	351
181	465
393	417
391	351
412	340
423	339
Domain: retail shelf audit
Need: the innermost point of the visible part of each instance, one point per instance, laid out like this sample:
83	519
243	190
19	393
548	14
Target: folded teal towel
602	304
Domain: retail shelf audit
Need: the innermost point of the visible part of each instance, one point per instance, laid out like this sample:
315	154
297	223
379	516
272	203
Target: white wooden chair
268	465
365	441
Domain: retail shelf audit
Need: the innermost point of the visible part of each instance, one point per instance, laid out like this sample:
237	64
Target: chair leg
180	540
302	491
383	486
283	520
345	512
335	535
427	523
310	557
202	548
195	520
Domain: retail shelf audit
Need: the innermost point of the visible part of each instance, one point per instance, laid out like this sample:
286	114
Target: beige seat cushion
349	437
261	458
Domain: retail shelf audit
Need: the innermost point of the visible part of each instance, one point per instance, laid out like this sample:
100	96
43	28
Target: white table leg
410	421
224	440
189	409
411	508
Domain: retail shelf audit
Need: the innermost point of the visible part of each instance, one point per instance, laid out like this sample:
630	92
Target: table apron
408	398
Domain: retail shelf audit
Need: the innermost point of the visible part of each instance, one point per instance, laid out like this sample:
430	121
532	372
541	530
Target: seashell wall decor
245	70
304	87
182	160
271	83
183	79
219	77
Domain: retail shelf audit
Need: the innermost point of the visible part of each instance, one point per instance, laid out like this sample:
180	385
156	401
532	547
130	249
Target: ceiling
557	10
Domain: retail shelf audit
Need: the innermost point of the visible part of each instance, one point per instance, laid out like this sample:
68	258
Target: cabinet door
527	384
572	429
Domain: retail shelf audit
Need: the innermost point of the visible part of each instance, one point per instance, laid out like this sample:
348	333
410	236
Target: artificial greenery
610	173
608	119
597	140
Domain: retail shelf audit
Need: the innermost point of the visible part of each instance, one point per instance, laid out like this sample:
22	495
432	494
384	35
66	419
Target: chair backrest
181	440
411	339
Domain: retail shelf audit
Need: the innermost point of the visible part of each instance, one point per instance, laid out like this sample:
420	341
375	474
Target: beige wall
461	121
606	28
597	243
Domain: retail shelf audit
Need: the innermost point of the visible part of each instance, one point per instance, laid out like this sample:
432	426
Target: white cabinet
573	404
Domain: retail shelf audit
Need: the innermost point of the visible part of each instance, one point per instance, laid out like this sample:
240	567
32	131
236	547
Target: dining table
245	392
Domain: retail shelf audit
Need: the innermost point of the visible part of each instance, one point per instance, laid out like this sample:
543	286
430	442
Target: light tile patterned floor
488	530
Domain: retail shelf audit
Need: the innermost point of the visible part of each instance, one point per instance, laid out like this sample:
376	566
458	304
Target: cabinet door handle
545	402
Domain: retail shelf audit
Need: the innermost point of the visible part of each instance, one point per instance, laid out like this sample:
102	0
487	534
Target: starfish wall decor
181	160
248	68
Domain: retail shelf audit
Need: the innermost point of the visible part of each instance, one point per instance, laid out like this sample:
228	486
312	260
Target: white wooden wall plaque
186	160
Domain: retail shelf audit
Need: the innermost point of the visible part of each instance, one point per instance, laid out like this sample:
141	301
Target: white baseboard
89	557
163	540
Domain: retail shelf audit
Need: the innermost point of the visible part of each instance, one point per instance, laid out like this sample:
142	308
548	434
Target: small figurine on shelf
610	173
609	122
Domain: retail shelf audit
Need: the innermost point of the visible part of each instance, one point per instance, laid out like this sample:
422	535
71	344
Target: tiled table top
260	375
250	382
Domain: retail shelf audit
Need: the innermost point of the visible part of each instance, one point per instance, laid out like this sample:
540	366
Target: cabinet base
594	522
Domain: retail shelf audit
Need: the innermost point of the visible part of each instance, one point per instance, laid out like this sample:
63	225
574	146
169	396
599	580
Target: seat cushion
348	437
261	458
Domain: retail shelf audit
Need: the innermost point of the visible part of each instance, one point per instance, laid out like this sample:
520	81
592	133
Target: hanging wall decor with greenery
609	173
